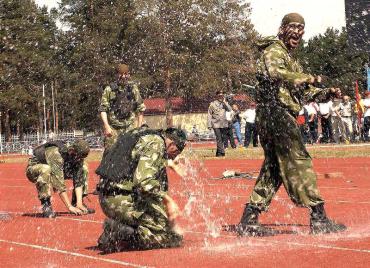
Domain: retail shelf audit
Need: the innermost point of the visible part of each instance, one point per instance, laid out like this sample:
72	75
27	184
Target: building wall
185	121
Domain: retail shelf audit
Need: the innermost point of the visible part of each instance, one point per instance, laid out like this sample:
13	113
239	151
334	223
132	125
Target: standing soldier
133	190
120	104
53	162
282	86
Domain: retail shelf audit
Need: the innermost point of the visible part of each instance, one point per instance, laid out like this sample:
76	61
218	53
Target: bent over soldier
121	104
50	165
282	87
133	190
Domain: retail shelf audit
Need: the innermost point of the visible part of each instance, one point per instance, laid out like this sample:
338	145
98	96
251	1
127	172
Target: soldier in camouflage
50	165
120	105
133	190
281	90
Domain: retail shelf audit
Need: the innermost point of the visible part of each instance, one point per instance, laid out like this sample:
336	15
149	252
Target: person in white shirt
366	103
346	115
312	108
250	126
336	118
325	117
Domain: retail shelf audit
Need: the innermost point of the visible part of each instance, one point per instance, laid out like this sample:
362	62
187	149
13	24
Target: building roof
195	105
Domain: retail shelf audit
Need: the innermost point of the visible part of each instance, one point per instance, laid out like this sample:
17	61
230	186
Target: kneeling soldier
133	190
53	162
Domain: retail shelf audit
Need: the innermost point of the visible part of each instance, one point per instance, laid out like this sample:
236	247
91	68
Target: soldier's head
123	72
79	150
175	140
220	95
291	30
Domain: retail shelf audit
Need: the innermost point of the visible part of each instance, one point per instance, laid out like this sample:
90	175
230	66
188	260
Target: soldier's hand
108	131
172	208
82	208
75	210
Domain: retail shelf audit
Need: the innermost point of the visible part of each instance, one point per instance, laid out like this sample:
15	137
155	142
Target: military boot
249	225
47	210
74	203
321	224
116	236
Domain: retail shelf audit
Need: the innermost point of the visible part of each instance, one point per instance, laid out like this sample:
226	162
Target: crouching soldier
133	191
50	165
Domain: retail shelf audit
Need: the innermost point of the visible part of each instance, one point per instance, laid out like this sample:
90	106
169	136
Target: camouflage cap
81	148
292	17
178	136
122	68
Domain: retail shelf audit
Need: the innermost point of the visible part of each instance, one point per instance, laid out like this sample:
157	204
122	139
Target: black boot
321	224
116	236
249	225
47	210
74	203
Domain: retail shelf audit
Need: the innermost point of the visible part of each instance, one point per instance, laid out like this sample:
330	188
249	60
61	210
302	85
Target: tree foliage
329	54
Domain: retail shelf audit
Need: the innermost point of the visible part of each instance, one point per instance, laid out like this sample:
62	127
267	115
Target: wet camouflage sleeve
104	102
288	71
150	151
56	162
281	66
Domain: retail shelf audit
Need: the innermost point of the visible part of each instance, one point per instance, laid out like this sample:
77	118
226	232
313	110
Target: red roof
195	105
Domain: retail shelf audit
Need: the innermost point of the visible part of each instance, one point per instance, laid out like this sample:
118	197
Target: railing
30	141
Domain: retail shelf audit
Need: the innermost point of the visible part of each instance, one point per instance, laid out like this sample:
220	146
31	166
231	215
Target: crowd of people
337	119
225	118
133	185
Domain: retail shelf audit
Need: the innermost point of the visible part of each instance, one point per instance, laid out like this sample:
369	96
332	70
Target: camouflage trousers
40	175
109	141
147	217
286	161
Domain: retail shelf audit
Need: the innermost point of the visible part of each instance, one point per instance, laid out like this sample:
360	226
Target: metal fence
29	141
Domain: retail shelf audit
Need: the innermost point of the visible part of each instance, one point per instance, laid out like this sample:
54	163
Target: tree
26	45
329	54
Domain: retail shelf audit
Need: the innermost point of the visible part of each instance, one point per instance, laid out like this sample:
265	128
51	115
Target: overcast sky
267	14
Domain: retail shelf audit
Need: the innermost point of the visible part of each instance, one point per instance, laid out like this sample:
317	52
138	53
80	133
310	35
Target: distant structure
357	23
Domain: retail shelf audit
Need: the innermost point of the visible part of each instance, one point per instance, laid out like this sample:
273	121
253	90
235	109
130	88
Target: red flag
358	104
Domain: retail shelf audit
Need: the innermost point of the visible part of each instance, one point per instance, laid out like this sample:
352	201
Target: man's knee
39	174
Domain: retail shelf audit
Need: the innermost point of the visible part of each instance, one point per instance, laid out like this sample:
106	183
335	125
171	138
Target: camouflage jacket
277	74
60	169
150	153
108	98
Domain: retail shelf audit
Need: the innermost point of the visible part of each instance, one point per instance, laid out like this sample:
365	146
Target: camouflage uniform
286	161
53	173
138	202
120	125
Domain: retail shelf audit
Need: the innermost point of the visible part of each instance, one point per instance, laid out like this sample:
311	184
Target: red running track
68	241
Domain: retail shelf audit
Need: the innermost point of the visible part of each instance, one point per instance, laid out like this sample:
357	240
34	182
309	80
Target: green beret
122	68
178	136
81	148
292	17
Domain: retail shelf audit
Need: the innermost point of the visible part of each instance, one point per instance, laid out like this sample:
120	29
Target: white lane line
72	253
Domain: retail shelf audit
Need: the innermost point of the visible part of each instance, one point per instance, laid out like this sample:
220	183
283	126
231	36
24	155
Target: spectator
366	103
229	135
217	121
236	123
325	117
302	120
250	126
336	119
357	112
346	114
312	108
